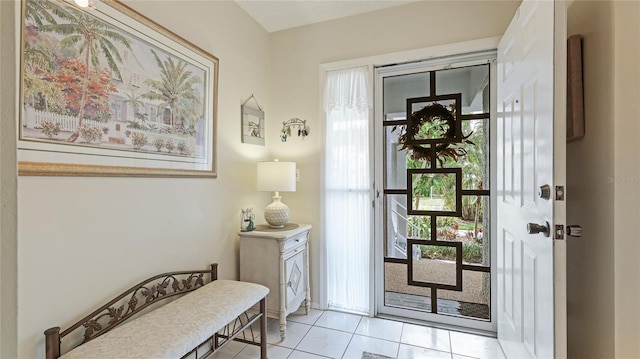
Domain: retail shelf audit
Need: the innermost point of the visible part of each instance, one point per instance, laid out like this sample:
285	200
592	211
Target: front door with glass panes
434	241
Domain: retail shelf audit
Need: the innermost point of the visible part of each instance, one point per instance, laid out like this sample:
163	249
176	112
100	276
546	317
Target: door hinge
559	232
373	203
559	193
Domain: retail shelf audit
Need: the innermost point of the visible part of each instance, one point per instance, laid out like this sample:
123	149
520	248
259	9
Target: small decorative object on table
247	223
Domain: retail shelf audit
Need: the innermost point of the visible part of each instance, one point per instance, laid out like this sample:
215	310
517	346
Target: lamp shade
276	176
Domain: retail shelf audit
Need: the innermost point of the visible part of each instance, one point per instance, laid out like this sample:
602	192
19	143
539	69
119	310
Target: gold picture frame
134	100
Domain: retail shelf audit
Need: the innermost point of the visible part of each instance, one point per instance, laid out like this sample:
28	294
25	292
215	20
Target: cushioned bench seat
173	330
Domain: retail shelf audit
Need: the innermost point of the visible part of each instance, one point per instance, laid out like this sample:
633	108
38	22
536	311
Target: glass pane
395	160
474	299
475	158
401	226
437	265
433	191
485	234
399	294
447	229
397	223
472	230
420	227
472	82
417	163
397	89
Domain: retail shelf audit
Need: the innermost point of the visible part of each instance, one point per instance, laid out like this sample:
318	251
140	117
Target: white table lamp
276	177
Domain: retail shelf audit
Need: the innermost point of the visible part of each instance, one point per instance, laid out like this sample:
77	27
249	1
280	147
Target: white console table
279	260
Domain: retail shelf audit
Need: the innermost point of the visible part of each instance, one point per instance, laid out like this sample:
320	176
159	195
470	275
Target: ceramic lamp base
277	213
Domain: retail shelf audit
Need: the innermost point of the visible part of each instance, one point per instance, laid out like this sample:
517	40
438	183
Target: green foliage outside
472	176
432	130
471	252
432	188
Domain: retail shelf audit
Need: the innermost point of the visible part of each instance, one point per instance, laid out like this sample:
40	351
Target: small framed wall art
252	123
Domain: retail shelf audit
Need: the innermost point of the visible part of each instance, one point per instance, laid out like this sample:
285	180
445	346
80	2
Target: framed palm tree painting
107	92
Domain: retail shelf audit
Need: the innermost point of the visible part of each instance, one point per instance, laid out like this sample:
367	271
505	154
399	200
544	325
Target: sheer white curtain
347	182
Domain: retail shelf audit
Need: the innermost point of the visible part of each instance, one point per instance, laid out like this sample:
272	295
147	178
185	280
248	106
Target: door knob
534	228
574	231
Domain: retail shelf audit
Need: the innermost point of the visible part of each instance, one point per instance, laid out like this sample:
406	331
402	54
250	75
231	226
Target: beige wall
84	239
590	276
296	56
8	182
604	185
627	174
106	233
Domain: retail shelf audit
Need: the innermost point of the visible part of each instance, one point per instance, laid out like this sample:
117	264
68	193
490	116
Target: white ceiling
275	15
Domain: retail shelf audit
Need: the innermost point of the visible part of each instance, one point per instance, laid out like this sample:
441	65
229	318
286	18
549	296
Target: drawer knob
298	240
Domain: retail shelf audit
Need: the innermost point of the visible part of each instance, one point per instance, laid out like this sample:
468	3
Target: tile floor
328	334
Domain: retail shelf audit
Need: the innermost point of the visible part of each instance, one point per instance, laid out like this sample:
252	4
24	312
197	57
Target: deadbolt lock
574	231
544	192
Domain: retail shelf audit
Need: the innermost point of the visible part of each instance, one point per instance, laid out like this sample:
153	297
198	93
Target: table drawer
294	242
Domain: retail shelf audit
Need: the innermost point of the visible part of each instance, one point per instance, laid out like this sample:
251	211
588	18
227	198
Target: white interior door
531	154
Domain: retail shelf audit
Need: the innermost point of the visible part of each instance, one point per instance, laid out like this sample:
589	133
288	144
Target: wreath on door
440	116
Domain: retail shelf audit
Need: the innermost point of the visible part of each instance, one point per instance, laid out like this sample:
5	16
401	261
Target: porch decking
471	302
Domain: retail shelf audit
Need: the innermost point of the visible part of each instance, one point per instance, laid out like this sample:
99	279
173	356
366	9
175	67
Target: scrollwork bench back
144	294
